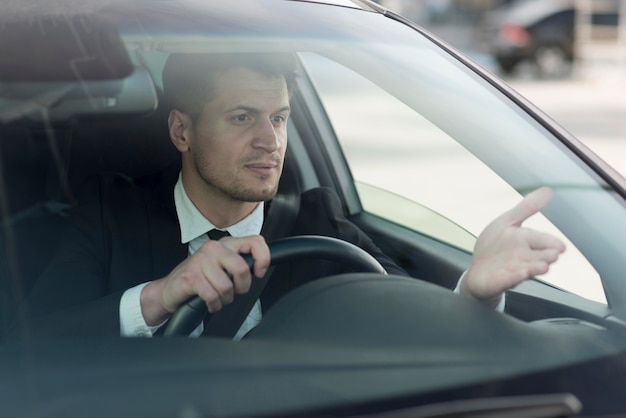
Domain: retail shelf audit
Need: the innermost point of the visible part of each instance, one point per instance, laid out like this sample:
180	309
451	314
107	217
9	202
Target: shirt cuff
499	307
132	323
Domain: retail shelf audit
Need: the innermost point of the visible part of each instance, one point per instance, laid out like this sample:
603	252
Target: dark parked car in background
421	146
541	32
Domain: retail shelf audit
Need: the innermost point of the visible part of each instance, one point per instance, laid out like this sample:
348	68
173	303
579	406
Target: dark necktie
217	234
226	322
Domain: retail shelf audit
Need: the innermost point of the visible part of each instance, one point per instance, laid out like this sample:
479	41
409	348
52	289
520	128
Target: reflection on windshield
421	151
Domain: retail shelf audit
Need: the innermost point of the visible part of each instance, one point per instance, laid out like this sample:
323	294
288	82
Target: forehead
244	84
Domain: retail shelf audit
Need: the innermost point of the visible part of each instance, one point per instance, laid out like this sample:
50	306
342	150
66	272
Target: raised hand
506	253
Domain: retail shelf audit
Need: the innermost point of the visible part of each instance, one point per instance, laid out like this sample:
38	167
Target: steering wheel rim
189	315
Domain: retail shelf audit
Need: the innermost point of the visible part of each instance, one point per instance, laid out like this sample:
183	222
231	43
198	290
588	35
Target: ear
180	130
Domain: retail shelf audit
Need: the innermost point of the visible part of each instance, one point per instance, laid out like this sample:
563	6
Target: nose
267	136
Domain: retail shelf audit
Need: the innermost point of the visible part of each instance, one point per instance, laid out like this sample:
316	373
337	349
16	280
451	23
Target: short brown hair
188	79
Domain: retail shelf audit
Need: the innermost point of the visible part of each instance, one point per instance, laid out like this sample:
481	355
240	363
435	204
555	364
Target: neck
221	210
224	215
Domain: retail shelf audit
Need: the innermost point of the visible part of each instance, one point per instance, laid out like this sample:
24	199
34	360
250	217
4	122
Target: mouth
262	168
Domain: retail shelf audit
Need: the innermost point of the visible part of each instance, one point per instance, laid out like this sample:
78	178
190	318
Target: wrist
152	307
486	298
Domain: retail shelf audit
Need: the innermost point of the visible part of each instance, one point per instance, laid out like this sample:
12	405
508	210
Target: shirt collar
193	224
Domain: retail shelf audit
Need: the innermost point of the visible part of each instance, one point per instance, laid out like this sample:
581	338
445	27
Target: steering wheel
189	315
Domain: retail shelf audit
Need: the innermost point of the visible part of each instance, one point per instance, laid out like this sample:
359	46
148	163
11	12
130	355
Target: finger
549	255
538	263
227	272
218	279
239	271
262	258
538	267
540	241
210	297
223	269
257	247
211	283
530	205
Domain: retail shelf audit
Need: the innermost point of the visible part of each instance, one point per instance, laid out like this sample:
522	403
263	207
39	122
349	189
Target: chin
259	196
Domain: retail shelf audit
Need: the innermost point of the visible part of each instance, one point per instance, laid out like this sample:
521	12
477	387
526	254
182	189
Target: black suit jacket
126	233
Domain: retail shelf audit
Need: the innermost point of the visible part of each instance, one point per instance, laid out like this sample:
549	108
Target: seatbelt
280	217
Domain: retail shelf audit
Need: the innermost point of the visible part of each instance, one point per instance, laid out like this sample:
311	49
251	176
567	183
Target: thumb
530	205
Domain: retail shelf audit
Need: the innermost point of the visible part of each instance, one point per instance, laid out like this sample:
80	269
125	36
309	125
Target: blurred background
566	56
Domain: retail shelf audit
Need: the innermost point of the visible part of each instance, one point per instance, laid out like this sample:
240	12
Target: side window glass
397	156
413	215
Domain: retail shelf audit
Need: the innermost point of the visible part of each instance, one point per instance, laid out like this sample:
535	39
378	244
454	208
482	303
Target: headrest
61	101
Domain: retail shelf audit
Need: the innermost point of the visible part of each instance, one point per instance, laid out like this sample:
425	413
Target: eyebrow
255	110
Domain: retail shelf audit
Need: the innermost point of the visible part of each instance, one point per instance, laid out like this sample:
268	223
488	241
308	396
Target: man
138	251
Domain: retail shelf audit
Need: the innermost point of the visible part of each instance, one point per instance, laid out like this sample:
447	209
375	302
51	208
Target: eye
279	119
241	118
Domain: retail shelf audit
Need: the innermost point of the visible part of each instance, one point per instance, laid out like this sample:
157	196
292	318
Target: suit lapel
167	250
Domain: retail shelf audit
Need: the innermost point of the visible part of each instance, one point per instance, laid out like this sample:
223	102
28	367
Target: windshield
416	150
448	109
451	110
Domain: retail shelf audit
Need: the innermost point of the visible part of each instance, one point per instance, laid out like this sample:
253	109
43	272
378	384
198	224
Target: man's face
238	143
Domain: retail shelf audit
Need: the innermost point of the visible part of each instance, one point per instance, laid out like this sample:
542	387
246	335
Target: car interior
57	133
48	154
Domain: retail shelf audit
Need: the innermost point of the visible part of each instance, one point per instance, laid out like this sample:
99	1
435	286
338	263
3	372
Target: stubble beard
234	188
